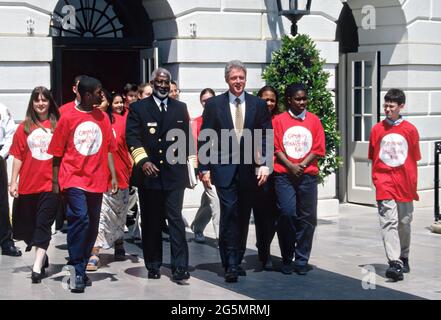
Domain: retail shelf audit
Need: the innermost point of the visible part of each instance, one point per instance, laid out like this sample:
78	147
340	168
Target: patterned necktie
238	122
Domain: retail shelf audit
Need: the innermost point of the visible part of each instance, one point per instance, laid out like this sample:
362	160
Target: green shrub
298	61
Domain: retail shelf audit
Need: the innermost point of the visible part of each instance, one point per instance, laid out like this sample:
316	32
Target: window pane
357	128
367	127
368	101
357	73
368	73
357	101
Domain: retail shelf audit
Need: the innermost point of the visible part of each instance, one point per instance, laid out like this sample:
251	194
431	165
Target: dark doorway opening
113	68
105	39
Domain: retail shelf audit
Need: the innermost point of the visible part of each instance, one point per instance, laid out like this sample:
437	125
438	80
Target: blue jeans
83	216
297	205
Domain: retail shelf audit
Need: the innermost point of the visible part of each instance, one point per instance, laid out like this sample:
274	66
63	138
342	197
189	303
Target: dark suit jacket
146	141
217	116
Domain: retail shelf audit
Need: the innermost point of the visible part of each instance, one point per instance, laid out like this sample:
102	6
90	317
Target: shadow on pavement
318	284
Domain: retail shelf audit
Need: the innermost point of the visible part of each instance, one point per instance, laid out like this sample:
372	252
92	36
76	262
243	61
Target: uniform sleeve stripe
138	155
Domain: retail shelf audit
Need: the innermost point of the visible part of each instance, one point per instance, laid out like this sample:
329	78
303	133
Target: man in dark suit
233	170
161	189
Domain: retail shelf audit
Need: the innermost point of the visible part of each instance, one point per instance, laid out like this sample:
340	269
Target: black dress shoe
241	272
9	249
154	274
231	274
268	265
180	274
36	277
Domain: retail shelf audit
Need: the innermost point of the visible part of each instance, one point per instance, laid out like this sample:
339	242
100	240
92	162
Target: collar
232	97
301	116
396	122
158	101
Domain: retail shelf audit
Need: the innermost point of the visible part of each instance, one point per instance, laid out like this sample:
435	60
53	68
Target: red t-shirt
195	125
298	138
67	107
123	166
84	140
394	151
35	175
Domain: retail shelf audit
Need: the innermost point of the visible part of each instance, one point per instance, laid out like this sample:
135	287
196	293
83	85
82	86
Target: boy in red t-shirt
299	140
83	143
394	150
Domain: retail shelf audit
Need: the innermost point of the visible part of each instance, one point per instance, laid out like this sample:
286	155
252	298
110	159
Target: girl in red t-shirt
35	205
299	140
115	205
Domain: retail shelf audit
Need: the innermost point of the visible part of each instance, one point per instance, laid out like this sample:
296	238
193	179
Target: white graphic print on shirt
297	141
88	138
394	150
38	142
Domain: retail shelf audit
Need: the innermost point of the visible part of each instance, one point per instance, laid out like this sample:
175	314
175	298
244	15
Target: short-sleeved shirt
35	175
123	165
298	138
67	107
394	151
83	140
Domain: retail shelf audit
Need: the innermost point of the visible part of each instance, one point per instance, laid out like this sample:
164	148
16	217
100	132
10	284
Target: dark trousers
265	214
153	205
235	208
5	223
297	205
83	216
32	218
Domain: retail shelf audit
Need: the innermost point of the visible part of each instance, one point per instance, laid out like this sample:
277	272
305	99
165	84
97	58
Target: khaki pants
209	209
395	218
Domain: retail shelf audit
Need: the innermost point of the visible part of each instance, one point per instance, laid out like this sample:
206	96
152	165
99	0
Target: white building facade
394	43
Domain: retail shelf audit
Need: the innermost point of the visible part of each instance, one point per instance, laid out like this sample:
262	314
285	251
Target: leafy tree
298	61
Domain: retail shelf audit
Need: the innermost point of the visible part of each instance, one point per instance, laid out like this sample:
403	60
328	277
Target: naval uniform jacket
146	136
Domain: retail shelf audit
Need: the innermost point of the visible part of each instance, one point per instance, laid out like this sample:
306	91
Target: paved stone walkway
344	250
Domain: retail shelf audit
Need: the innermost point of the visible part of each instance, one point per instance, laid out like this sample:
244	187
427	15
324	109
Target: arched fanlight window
87	19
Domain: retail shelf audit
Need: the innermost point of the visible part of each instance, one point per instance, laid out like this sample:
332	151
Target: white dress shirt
158	103
7	130
233	107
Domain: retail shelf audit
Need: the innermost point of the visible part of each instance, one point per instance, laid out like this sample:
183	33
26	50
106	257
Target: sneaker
406	268
87	281
180	274
79	285
302	269
199	237
395	271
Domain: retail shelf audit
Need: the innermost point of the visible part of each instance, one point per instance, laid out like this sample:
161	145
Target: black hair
109	110
78	79
207	90
107	94
395	95
88	84
130	87
293	88
273	90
